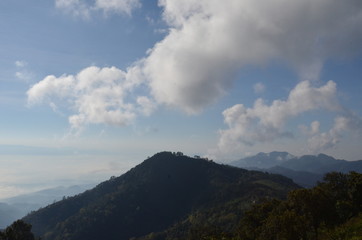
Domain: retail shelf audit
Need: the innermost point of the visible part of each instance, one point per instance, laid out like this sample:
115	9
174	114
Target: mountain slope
151	197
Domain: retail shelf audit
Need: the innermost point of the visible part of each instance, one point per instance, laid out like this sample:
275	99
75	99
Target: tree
284	225
19	230
253	220
355	191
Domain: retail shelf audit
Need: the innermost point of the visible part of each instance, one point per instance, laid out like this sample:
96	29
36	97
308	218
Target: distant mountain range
305	170
167	194
17	207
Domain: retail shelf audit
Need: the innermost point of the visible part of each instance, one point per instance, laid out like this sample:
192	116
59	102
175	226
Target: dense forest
330	211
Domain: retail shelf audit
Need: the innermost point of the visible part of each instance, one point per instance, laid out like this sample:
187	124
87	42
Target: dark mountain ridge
153	196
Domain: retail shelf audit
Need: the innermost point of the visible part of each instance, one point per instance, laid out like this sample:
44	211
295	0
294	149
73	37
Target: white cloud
259	88
96	95
207	44
80	8
265	123
209	41
346	123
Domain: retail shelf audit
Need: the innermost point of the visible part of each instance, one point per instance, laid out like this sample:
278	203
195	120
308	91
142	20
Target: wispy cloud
84	9
22	72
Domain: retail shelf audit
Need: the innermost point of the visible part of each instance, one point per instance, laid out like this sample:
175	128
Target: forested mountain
306	170
165	189
330	211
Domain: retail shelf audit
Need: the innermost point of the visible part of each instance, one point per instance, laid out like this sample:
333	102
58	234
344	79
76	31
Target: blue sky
88	89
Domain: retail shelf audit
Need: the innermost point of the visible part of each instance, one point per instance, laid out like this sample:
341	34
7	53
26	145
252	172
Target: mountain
163	190
306	170
263	160
322	164
17	207
303	178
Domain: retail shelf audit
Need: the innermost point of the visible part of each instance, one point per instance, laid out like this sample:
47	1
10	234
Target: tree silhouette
19	230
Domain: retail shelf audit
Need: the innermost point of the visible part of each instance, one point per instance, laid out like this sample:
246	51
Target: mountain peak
162	190
263	160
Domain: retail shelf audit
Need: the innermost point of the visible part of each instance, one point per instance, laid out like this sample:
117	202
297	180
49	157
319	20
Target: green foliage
329	211
319	213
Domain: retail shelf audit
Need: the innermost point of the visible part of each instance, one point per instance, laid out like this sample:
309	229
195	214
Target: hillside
331	210
305	170
154	195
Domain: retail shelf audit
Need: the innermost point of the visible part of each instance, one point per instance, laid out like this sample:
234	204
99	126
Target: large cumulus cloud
207	43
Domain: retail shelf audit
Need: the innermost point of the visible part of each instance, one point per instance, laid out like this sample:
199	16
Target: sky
90	88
